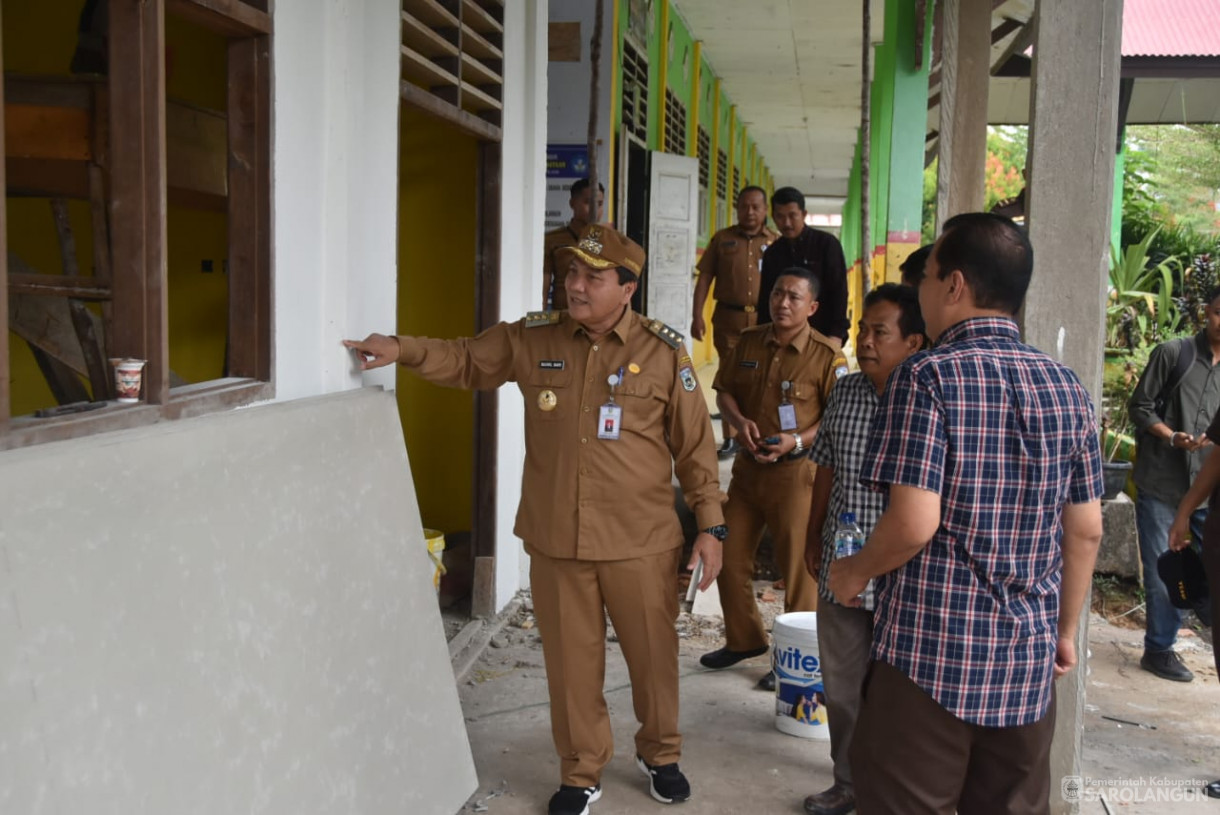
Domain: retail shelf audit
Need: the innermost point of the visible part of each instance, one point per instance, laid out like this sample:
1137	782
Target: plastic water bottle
849	539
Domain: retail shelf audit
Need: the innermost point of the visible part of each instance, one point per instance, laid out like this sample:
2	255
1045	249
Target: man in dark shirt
1171	407
801	245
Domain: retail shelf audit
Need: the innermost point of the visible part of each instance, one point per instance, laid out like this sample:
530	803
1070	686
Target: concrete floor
738	762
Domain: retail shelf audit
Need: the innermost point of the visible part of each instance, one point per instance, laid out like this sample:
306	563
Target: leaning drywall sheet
226	614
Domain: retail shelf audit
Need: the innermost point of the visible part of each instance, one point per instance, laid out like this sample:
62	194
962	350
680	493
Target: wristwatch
718	532
799	449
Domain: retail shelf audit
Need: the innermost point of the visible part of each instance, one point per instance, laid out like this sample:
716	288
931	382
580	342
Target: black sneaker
1166	665
668	784
728	449
573	800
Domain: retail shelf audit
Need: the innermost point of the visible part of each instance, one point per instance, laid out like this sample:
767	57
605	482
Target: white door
673	226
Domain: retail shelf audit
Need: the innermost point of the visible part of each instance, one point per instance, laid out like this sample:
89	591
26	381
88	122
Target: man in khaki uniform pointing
612	409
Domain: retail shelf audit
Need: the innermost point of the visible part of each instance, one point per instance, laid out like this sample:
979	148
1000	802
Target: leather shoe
767	682
834	801
728	449
724	658
1166	665
1213	789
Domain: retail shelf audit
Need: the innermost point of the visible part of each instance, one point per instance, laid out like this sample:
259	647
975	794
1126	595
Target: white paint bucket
800	702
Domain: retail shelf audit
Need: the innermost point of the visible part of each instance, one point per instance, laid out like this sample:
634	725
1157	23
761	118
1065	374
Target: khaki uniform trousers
727	325
571	598
778	497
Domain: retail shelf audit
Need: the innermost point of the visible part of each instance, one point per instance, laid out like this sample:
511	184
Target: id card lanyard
787	410
610	418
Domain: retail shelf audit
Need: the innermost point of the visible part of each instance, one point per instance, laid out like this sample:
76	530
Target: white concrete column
523	191
964	76
1073	121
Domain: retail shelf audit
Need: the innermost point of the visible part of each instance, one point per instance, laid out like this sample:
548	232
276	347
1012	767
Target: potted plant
1116	432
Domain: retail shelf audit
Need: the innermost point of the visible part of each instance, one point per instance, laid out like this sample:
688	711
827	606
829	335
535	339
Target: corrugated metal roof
1171	28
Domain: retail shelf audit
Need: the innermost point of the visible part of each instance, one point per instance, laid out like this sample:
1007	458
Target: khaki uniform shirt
755	370
734	259
553	273
583	497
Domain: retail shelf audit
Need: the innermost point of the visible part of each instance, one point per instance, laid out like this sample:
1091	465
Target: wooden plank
99	223
51	91
137	203
28	430
430	13
249	346
40	131
429	103
196	150
46	322
476	44
487	314
42	178
5	377
231	18
424	72
483	592
475	98
479	19
563	42
46	285
424	40
80	316
65	385
475	72
220	394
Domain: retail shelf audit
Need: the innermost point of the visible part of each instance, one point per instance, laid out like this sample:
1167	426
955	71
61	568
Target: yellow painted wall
39	38
437	232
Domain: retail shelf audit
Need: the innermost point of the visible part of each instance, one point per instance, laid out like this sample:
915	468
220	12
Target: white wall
335	108
567	95
522	195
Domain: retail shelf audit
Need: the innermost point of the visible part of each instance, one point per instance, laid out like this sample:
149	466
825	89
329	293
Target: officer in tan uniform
772	386
732	261
612	408
581	202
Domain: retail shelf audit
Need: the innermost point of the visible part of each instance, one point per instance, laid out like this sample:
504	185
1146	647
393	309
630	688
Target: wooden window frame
137	213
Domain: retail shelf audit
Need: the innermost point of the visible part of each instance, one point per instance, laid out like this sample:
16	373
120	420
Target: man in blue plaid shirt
987	450
891	330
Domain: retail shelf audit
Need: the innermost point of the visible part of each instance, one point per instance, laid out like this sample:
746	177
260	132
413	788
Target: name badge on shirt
787	410
609	421
787	416
748	363
551	364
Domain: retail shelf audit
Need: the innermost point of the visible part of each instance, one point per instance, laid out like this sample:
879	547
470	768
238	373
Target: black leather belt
734	307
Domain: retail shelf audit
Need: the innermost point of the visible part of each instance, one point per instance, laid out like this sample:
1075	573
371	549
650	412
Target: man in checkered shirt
891	330
988	452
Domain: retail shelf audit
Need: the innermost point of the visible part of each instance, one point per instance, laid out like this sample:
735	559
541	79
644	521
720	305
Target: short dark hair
913	267
788	195
751	188
625	275
808	275
1212	294
993	254
910	321
582	184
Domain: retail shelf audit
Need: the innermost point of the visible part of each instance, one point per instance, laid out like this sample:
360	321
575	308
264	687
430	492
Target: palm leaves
1139	307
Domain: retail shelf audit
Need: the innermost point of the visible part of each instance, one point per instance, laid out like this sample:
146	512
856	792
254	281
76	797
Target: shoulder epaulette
671	338
536	318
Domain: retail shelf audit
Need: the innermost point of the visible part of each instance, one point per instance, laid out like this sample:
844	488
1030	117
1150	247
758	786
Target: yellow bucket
436	550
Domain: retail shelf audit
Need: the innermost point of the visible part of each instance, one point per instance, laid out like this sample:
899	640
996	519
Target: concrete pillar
1073	116
909	102
965	74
